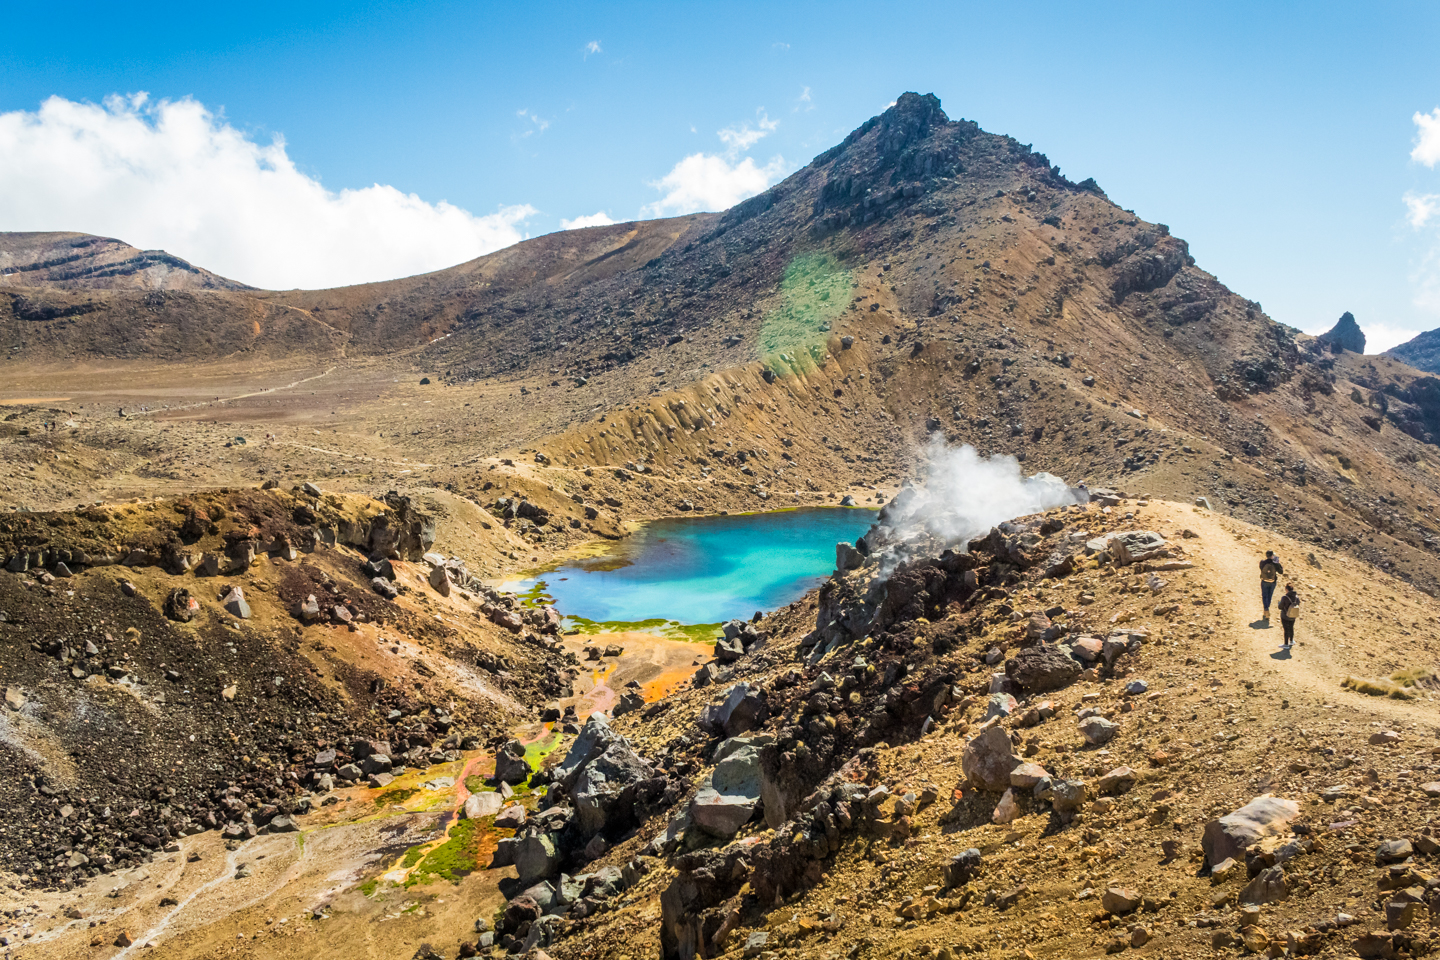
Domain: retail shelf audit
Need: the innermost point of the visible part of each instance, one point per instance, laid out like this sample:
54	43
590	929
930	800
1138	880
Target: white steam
960	496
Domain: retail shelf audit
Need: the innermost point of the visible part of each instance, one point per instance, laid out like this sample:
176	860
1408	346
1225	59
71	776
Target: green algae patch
475	783
399	795
535	753
457	857
536	596
656	626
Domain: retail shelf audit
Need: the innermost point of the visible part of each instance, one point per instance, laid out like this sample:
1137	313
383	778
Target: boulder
1098	731
988	760
605	784
1135	546
235	604
182	607
440	580
728	651
384	587
1394	851
505	850
1007	809
847	557
1269	886
511	818
1042	668
1120	900
594	739
480	805
1087	649
309	609
536	858
999	705
962	868
1027	775
727	798
629	702
545	894
1119	780
741	711
1068	796
510	765
1265	816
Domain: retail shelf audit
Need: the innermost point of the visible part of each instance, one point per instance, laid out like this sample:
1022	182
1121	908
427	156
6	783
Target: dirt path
1336	636
238	396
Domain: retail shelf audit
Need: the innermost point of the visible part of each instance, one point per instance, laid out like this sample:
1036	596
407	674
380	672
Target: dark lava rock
1042	668
1345	335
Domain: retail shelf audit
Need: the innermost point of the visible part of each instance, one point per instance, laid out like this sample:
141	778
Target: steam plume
961	495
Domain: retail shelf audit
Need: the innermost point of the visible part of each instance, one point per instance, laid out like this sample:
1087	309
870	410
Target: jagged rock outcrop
1345	335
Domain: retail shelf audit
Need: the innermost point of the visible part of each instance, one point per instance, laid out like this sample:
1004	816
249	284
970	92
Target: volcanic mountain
923	283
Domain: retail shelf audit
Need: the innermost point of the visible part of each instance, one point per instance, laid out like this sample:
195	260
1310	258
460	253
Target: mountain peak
910	119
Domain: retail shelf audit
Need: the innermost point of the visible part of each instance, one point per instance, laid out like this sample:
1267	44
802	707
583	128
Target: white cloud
1421	207
598	219
173	175
539	125
804	102
1423	210
1427	141
708	182
1380	337
742	136
592	47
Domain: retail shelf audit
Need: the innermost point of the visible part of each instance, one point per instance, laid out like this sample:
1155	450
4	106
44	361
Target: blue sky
1276	138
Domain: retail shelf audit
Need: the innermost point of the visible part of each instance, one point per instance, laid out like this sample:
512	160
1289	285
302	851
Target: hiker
1270	570
1289	613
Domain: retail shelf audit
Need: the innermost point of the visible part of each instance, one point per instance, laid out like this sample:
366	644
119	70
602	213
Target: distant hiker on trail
1270	571
1289	613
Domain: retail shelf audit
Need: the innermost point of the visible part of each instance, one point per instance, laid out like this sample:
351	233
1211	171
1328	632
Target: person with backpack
1289	613
1270	570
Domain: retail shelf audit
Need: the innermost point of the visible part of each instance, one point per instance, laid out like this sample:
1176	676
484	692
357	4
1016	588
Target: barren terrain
923	283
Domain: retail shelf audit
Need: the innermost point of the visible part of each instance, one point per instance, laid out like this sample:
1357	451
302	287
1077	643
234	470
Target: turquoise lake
707	569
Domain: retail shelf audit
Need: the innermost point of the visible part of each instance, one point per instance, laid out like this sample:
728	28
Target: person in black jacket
1289	613
1270	570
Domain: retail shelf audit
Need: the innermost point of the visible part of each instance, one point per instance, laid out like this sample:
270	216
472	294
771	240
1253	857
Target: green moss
658	626
398	795
369	887
452	860
475	783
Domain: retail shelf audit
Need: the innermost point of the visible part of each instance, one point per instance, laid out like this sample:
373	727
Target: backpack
1290	609
1269	571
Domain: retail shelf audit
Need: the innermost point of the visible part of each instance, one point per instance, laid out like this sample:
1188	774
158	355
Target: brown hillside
79	261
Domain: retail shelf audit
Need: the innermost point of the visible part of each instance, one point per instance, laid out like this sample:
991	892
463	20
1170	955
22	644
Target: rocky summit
282	678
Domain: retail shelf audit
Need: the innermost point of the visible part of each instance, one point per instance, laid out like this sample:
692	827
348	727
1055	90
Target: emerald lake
706	569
